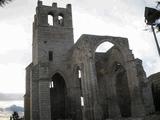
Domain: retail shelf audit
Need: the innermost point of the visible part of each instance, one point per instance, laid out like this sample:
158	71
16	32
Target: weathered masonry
68	81
154	83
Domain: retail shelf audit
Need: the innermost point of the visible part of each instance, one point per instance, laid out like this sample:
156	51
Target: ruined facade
68	81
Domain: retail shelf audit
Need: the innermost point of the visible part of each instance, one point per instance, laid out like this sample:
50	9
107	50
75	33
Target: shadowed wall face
122	90
156	96
154	83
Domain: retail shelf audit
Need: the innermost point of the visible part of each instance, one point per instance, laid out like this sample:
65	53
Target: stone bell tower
52	39
52	33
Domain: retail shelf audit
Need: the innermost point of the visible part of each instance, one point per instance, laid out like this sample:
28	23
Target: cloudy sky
124	18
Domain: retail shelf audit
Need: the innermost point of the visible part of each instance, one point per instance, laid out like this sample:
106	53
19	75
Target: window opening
60	20
79	74
82	101
51	85
104	47
80	84
118	66
50	55
50	20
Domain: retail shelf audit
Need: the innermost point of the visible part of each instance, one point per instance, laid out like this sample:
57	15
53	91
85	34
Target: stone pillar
145	87
34	105
44	100
137	106
92	110
27	94
44	92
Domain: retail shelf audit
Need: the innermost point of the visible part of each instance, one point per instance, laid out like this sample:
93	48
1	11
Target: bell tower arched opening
50	19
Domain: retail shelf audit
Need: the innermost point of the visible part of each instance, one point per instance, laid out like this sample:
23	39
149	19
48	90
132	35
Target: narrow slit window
50	55
51	85
82	101
79	74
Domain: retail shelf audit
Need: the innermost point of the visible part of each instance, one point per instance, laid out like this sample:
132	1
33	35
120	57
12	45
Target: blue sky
124	18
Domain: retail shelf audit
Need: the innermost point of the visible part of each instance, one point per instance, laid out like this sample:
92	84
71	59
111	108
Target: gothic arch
58	97
106	73
93	41
52	73
116	43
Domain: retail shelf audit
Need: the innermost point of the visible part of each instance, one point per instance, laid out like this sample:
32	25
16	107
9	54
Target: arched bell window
61	19
50	19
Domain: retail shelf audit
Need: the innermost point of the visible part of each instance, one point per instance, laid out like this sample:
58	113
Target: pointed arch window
104	47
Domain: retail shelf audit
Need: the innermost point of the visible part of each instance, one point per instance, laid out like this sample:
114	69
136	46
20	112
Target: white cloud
12	37
120	18
12	78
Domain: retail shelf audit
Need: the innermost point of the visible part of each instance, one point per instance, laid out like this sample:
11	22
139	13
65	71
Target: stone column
145	87
137	106
88	108
44	92
34	105
44	100
92	108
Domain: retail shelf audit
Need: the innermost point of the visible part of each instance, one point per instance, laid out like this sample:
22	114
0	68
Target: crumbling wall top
54	5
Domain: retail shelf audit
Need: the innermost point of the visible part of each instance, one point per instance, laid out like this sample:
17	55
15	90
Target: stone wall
154	83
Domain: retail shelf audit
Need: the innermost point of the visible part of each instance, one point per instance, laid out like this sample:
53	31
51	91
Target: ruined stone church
68	81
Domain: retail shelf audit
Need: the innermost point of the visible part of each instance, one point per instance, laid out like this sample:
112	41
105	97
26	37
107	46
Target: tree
4	2
15	116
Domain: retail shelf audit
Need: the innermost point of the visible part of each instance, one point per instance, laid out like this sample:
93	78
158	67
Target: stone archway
58	97
101	63
112	76
89	44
